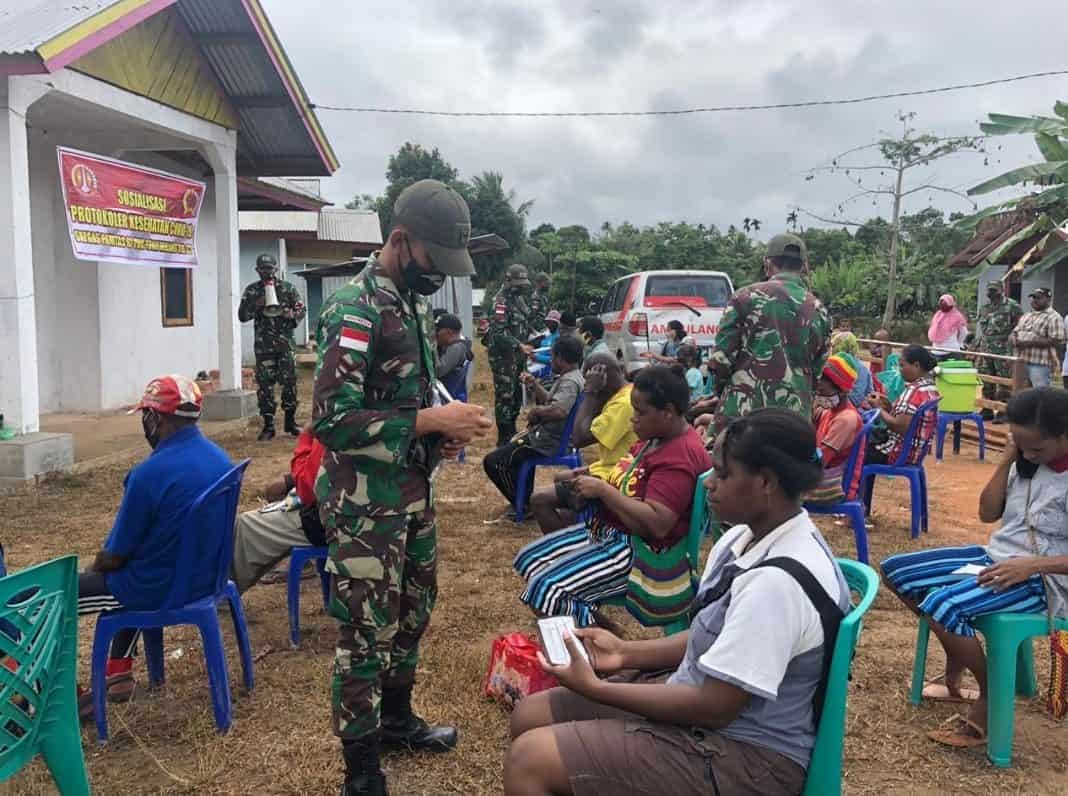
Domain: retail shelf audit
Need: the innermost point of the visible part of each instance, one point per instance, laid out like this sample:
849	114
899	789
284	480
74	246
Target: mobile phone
552	631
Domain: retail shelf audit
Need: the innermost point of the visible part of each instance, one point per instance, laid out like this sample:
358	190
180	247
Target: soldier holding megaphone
277	309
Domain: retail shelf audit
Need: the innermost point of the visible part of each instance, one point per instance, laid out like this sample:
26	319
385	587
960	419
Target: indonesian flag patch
354	338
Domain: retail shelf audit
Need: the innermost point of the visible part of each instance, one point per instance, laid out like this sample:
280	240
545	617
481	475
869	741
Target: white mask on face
827	401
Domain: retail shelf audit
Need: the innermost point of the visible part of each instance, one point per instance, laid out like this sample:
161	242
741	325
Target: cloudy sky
610	55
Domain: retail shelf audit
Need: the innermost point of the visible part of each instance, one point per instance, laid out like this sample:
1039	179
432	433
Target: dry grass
280	743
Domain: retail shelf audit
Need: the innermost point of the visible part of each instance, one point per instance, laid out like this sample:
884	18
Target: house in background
1025	248
302	239
197	88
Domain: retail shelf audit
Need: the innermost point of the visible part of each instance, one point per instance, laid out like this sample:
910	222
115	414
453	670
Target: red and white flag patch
354	339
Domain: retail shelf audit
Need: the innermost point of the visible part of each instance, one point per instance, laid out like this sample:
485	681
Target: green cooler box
958	382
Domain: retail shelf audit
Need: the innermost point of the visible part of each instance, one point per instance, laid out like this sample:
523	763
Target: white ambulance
637	309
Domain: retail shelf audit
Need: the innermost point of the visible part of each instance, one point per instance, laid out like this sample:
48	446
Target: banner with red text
121	213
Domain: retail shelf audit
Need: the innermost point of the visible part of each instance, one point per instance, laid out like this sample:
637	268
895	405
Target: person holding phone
1025	563
886	442
728	707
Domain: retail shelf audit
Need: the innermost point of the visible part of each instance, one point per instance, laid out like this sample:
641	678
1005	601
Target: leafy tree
410	164
542	229
362	201
495	210
583	275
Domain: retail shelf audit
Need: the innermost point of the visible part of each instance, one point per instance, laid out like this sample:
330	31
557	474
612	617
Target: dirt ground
280	743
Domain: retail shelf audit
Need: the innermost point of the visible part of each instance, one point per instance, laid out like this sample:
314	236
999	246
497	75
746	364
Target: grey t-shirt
1049	517
545	437
764	635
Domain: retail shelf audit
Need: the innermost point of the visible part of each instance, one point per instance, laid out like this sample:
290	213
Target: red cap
171	395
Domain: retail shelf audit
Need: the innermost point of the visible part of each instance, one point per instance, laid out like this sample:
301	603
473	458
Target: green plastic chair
825	768
698	525
1010	671
38	700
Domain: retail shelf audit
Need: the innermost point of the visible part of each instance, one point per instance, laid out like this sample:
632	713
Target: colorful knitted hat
841	372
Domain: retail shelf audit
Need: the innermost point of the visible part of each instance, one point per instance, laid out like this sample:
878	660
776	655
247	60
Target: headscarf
845	343
946	323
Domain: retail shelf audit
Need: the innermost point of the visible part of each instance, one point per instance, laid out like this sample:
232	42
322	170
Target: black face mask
150	425
415	278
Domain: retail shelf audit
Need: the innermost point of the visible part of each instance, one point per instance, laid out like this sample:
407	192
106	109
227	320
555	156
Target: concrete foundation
29	455
229	405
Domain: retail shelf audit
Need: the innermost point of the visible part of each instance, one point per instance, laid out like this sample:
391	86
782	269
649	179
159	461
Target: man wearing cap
997	318
135	567
772	340
511	325
539	298
1039	338
273	342
543	356
453	350
374	413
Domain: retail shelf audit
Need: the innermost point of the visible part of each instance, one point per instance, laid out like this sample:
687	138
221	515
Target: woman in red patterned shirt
916	366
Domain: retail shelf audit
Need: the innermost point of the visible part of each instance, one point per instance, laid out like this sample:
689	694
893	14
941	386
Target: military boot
505	432
291	422
402	728
268	429
363	770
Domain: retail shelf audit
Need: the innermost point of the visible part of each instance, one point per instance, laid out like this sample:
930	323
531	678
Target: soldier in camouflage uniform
273	344
374	413
539	299
511	325
772	340
997	318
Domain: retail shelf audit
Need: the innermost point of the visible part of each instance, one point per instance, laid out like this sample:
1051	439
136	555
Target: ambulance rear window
712	291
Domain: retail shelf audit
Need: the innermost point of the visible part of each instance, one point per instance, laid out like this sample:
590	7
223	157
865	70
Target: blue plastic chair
298	557
565	456
457	387
915	473
180	609
853	509
956	418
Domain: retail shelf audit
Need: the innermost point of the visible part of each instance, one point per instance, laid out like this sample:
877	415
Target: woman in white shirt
948	327
738	713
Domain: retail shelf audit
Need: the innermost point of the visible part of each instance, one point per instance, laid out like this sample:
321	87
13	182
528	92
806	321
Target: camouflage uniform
770	348
375	371
996	322
510	326
273	344
539	305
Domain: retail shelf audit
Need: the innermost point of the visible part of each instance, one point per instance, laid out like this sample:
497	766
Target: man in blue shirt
135	568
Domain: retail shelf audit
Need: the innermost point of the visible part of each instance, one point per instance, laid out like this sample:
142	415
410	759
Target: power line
689	111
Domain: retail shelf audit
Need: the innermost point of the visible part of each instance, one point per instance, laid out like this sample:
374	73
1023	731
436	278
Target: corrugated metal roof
333	224
305	187
350	226
27	24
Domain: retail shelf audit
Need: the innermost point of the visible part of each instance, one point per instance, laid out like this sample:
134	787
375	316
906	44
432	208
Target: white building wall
251	248
995	272
100	329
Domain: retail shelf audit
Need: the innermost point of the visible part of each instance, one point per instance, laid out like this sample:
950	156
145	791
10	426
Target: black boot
363	770
291	422
505	432
402	728
268	429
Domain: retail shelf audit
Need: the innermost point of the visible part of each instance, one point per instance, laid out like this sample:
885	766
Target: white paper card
969	569
552	634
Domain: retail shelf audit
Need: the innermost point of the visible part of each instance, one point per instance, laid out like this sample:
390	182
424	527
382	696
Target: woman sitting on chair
736	715
1024	565
916	366
650	495
837	424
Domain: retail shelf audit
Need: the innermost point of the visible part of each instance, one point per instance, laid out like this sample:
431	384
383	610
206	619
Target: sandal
120	688
936	690
959	732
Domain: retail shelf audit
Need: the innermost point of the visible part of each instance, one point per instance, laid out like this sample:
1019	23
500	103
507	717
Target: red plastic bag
514	671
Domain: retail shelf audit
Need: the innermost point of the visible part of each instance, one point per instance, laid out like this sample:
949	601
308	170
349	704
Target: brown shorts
607	750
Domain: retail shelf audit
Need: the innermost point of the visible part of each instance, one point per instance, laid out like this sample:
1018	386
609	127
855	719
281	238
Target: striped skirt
568	574
954	601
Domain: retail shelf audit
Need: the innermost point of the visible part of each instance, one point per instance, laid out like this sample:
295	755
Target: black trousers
502	467
94	597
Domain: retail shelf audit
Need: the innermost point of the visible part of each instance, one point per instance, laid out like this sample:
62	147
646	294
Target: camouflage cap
517	275
542	278
266	261
438	216
784	246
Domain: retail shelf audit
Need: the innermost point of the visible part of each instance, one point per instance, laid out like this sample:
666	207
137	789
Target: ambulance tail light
638	326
